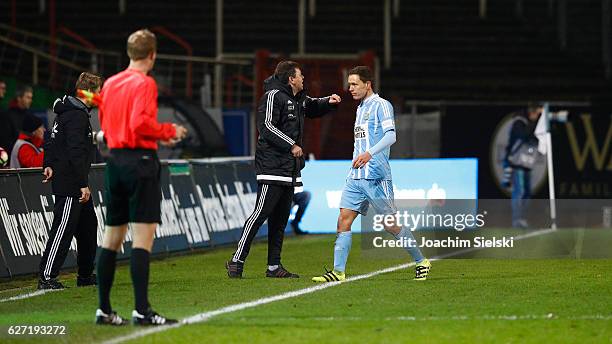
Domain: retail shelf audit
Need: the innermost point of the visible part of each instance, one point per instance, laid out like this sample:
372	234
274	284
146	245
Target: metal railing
26	56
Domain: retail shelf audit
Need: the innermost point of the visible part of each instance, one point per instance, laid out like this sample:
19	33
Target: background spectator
12	120
27	151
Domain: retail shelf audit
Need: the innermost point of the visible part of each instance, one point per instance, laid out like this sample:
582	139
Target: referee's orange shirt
128	113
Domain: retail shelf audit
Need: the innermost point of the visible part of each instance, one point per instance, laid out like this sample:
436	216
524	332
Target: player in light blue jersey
369	180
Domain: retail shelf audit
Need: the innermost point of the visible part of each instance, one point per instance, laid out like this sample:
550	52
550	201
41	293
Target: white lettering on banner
199	216
48	211
193	225
100	211
33	228
247	199
231	204
48	215
171	225
28	232
196	222
213	211
11	228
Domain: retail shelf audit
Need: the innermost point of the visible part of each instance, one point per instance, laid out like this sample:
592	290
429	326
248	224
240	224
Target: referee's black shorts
132	187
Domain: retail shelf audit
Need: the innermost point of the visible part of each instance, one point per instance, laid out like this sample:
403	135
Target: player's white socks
406	236
341	250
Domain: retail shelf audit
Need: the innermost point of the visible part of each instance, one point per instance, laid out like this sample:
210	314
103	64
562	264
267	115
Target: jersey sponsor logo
360	132
291	116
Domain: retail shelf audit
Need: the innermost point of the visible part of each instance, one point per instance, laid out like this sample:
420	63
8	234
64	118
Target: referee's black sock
105	274
139	268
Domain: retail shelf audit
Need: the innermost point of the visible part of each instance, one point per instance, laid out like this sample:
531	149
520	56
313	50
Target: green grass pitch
463	301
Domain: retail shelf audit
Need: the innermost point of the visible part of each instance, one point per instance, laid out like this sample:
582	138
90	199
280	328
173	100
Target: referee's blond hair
141	44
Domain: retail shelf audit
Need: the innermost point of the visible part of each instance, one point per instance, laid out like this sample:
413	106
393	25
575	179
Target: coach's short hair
88	82
141	44
534	106
285	69
364	73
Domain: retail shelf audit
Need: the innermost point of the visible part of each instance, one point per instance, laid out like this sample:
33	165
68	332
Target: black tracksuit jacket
280	122
70	149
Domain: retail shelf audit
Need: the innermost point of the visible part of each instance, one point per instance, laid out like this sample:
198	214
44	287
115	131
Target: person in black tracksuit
68	156
278	161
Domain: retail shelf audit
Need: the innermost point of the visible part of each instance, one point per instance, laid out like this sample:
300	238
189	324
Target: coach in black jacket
68	156
278	161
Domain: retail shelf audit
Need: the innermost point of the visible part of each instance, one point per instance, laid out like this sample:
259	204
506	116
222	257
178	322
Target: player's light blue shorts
358	194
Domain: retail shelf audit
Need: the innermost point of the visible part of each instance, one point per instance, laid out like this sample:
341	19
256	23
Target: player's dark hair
364	73
23	89
286	69
141	44
88	82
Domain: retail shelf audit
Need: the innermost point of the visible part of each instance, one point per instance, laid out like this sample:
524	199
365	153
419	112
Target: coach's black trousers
273	203
70	218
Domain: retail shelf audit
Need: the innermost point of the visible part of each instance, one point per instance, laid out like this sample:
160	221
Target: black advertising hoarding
582	149
206	184
582	153
195	210
39	201
187	204
469	131
170	235
246	184
26	208
96	186
238	200
11	206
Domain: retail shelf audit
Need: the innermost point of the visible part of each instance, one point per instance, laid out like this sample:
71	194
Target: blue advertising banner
424	179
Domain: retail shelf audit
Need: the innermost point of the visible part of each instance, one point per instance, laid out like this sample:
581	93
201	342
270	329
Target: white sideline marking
549	316
15	289
28	295
202	317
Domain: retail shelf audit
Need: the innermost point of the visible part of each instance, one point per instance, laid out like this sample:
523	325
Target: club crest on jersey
366	116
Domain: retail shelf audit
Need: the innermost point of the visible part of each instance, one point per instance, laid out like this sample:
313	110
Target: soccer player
369	180
128	117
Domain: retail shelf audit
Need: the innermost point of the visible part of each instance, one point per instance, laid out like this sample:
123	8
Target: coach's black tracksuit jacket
280	121
69	152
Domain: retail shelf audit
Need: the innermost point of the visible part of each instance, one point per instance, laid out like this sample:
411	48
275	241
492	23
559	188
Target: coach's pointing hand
296	151
334	99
